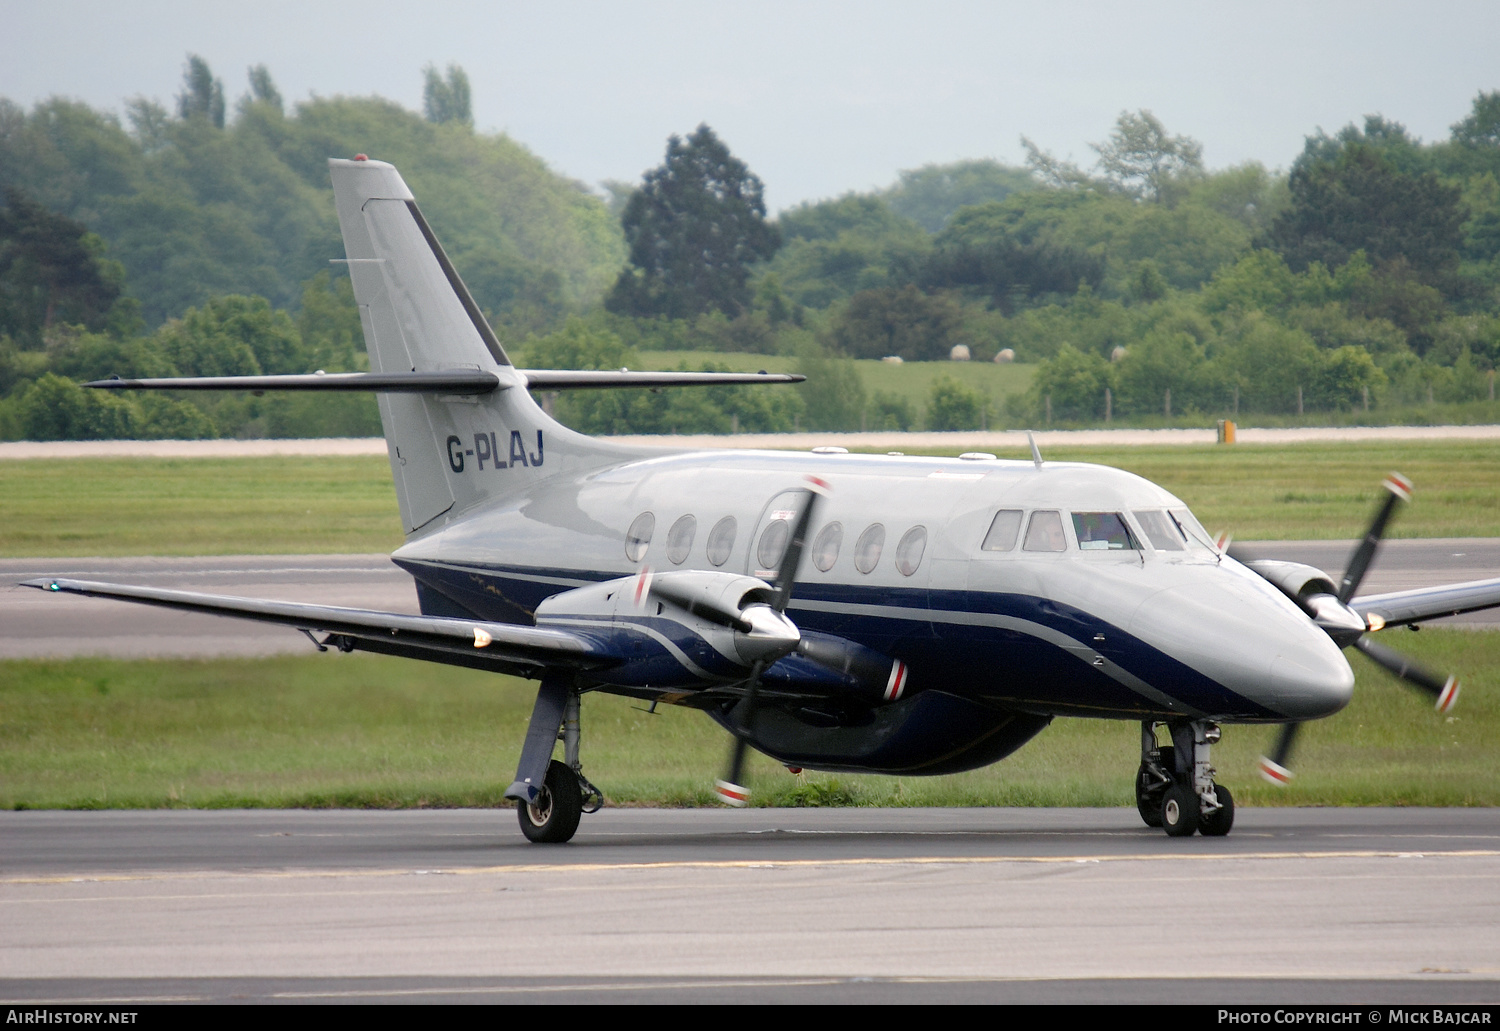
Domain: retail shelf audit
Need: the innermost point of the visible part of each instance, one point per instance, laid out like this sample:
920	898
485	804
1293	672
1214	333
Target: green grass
143	506
335	730
197	506
911	380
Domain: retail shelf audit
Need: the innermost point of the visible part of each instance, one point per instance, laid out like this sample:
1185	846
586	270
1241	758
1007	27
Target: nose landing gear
1174	787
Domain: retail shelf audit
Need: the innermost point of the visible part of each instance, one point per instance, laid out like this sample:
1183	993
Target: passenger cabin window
1103	531
721	540
1161	531
773	543
638	537
1045	533
680	539
867	549
909	551
825	549
1003	531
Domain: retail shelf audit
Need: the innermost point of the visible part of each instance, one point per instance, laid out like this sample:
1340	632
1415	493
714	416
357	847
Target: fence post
1365	390
1109	405
1167	403
1049	409
1299	398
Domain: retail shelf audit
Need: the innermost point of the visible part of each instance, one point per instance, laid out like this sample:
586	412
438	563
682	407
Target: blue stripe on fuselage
941	635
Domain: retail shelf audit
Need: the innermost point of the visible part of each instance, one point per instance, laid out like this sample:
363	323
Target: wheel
553	817
1217	823
1147	803
1179	811
1148	792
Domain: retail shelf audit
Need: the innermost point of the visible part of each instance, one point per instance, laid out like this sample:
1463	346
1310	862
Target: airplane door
773	532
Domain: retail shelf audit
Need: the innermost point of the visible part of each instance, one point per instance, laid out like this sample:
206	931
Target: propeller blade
1274	768
730	790
1444	690
695	603
791	558
1398	489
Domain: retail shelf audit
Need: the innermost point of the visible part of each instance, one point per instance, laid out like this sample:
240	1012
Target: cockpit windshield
1174	530
1103	531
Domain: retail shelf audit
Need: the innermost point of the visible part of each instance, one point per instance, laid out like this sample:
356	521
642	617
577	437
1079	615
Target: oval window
680	539
909	551
638	537
773	544
825	549
721	540
867	548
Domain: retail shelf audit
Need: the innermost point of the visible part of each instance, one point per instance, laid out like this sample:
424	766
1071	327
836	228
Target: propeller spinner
729	788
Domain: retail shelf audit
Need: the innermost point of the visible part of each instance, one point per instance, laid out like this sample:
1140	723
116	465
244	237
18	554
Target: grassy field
139	506
911	380
335	730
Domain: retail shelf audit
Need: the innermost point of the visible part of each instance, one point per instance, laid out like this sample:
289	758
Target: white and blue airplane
863	613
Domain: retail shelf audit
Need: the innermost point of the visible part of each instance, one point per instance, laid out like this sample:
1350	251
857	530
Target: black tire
1217	823
553	817
1148	791
1147	803
1179	811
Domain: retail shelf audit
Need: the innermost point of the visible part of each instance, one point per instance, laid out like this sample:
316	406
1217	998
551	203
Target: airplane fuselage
941	564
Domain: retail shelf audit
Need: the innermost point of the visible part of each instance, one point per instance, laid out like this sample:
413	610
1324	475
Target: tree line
195	242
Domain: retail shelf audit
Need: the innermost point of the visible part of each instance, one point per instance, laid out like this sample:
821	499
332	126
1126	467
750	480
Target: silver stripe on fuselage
1080	651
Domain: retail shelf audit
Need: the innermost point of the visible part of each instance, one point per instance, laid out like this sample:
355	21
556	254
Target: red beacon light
361	157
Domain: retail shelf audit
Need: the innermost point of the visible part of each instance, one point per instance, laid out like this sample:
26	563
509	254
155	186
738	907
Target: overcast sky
818	98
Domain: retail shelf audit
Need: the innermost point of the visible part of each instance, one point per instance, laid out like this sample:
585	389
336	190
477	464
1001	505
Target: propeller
1349	629
729	789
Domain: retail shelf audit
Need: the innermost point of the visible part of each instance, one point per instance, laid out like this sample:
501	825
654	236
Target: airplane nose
1257	645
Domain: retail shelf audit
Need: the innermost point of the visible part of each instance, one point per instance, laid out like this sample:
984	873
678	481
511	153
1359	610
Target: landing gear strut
1174	787
551	796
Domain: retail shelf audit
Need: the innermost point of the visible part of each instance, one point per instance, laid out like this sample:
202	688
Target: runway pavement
33	625
1368	906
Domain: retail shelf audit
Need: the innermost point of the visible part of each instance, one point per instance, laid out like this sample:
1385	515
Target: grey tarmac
1366	906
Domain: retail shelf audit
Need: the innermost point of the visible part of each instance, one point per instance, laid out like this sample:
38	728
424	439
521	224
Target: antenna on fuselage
1036	454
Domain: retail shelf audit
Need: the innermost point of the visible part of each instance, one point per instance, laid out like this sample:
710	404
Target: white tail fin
447	453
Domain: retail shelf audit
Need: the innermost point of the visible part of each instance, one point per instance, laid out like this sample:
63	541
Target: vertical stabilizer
447	453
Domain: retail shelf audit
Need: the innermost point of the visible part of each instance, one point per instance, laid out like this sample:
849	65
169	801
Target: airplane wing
502	647
1400	607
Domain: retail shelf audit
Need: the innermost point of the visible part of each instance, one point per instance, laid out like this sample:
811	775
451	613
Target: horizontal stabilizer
570	379
454	381
463	642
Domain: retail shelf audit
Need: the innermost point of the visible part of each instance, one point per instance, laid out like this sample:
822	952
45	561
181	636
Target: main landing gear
552	796
1175	789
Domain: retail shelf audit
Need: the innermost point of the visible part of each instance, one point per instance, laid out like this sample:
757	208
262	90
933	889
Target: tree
1358	201
931	194
1142	160
694	227
898	321
953	406
50	269
1481	129
202	95
448	101
262	89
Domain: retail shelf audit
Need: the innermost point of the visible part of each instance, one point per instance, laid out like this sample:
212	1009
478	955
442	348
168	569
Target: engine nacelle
1296	580
666	643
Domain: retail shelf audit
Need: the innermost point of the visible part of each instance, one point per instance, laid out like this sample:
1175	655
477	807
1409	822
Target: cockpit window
1192	530
1045	533
1003	531
1103	531
1161	531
